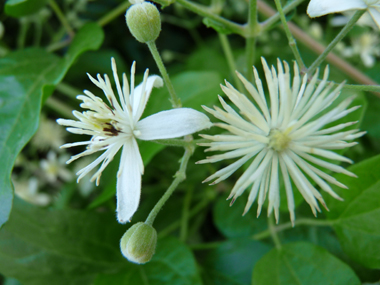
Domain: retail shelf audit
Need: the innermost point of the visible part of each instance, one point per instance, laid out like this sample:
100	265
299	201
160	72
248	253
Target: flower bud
138	244
143	20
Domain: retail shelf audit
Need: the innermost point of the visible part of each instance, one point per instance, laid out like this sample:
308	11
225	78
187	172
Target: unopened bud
143	20
138	244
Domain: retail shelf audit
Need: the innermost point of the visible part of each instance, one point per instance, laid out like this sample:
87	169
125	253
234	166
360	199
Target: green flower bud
138	244
143	20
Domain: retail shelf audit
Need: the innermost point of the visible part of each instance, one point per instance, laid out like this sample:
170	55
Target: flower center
278	140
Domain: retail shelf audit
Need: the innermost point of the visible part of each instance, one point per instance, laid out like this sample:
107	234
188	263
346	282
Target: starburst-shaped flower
318	8
118	125
287	136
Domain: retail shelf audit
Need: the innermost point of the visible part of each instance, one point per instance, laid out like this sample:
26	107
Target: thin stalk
252	14
199	207
185	214
68	90
291	40
276	16
288	225
61	18
37	33
59	107
58	45
370	88
250	44
179	177
176	102
230	59
24	27
252	28
204	11
273	232
113	14
177	142
337	39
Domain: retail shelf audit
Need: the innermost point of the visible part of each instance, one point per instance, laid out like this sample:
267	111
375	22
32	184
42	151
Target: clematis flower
118	125
366	46
318	8
287	136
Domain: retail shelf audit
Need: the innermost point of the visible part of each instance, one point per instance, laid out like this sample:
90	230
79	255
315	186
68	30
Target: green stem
250	44
37	33
179	177
252	28
337	39
61	18
177	223
230	59
288	225
58	45
68	90
24	26
292	41
59	107
204	11
252	14
273	19
176	102
273	232
370	88
185	215
177	142
113	14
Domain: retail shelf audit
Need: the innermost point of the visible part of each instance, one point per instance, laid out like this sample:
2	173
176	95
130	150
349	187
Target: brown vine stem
318	48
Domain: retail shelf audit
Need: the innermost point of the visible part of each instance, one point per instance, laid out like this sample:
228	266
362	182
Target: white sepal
128	188
318	8
172	124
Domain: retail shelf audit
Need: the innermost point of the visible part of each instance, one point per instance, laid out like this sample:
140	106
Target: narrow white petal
128	187
172	124
228	170
274	190
288	189
252	196
249	172
232	154
318	8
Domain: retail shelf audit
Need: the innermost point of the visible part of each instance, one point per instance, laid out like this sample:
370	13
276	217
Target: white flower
286	135
119	124
318	8
53	168
366	45
28	191
48	135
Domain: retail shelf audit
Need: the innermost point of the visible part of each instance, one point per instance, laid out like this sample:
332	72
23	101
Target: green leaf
231	262
371	120
302	263
356	219
195	88
24	76
173	263
21	8
59	247
230	222
210	23
205	58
